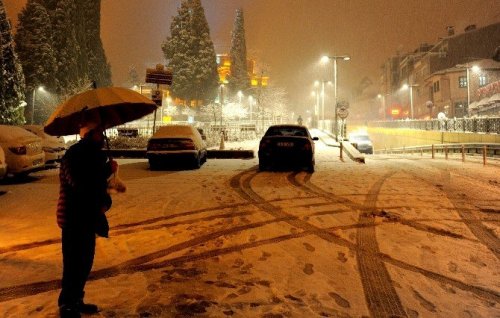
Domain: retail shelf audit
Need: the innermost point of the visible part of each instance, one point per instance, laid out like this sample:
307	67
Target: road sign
342	112
159	75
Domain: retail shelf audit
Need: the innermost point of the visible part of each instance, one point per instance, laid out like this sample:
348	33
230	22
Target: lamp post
325	59
382	99
250	101
410	87
41	89
221	100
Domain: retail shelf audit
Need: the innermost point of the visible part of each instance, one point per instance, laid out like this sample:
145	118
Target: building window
482	80
462	81
435	86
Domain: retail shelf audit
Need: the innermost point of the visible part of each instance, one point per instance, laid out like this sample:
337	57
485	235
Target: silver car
53	147
176	145
23	150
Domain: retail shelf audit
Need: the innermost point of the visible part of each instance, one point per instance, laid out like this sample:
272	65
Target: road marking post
432	150
463	153
485	149
446	152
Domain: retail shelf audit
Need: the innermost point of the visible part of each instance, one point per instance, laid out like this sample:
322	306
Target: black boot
87	308
69	311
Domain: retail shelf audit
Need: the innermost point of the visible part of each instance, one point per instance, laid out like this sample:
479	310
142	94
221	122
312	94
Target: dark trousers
78	248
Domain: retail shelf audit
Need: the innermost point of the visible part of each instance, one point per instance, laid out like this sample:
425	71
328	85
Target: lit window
483	80
462	81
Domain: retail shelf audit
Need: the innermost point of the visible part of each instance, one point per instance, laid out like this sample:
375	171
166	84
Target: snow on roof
179	131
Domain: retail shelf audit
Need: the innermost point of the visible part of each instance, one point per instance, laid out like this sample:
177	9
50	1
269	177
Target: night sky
287	37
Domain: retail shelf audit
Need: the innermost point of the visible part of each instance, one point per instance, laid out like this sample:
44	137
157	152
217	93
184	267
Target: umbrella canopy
109	106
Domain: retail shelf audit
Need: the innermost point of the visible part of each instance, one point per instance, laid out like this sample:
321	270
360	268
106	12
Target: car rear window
286	131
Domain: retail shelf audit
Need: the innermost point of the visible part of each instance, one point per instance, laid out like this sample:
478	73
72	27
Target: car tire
197	162
153	165
262	166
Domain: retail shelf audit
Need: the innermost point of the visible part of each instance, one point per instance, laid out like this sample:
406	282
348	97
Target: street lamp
240	95
382	99
250	101
325	59
410	87
41	89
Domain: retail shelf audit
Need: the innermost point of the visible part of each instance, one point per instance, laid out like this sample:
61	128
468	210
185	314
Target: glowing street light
410	87
40	89
325	59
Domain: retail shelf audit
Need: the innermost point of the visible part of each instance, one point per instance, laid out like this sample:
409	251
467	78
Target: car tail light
18	150
307	146
187	144
264	143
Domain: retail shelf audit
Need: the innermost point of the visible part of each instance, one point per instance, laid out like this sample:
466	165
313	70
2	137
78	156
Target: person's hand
114	165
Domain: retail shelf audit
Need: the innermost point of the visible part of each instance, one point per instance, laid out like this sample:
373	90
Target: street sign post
158	75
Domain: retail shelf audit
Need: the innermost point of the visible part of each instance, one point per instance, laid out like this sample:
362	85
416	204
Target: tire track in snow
380	294
464	209
129	228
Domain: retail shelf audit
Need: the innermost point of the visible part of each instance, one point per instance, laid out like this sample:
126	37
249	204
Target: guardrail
486	150
489	125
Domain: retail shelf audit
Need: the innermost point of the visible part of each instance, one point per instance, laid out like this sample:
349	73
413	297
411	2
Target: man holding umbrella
84	172
83	200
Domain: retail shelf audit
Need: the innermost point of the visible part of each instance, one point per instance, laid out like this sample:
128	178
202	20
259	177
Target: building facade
442	78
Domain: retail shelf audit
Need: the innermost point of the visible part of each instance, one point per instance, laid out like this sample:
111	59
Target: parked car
3	164
53	147
176	145
362	143
23	150
284	145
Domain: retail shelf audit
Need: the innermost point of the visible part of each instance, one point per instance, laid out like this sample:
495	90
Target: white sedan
23	150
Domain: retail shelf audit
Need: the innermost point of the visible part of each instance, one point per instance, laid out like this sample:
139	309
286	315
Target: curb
211	154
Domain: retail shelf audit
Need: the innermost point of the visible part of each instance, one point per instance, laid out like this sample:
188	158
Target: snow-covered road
395	237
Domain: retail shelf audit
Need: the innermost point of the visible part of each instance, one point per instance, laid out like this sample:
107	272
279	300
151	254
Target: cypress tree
177	52
66	48
238	80
207	77
191	55
99	69
12	82
34	48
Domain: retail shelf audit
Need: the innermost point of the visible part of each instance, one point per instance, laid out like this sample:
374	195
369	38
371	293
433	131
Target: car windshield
286	131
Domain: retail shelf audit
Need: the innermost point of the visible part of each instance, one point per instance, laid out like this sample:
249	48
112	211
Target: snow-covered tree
35	50
66	48
211	111
12	85
238	79
177	52
190	53
99	69
273	101
207	77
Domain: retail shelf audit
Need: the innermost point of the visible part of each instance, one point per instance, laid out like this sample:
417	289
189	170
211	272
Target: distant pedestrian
83	200
299	120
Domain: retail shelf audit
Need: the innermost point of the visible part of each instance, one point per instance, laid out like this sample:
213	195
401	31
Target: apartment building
446	77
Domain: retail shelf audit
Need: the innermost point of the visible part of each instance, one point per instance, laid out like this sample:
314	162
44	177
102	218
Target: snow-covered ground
398	236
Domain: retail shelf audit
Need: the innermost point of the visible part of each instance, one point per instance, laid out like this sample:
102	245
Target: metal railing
490	125
485	150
